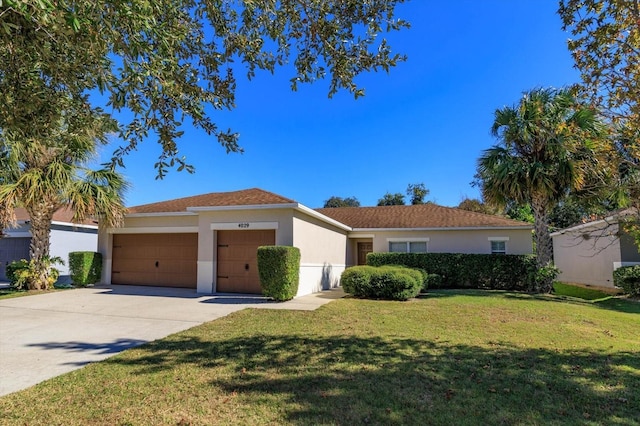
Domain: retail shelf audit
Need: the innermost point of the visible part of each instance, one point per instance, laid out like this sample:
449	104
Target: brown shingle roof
419	216
246	197
62	215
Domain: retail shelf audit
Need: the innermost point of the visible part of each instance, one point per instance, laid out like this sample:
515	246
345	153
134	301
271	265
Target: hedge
460	270
628	279
279	270
85	267
386	282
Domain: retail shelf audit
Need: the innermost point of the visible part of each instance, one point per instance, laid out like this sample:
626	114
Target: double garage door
170	260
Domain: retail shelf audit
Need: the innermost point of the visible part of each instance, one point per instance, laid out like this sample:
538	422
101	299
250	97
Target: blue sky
427	121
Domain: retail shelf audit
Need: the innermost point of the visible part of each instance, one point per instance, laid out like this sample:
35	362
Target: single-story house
208	242
589	253
66	237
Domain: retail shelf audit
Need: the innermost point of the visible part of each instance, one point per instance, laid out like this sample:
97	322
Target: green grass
8	293
562	289
450	358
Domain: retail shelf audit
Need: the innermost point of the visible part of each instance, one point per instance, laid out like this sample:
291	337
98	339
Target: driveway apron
43	336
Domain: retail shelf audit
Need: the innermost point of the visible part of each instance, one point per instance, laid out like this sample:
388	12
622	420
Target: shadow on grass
358	380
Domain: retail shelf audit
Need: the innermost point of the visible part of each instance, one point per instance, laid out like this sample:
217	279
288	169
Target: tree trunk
40	217
544	244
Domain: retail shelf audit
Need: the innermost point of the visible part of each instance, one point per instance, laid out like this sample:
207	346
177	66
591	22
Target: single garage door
167	260
238	260
12	249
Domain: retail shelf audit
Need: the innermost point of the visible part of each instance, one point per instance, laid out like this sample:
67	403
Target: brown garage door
238	260
168	260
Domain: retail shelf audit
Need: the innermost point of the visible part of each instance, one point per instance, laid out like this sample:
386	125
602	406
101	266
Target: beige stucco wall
586	255
460	241
278	219
323	250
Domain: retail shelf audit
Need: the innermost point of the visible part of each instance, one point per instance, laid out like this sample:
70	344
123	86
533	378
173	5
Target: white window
409	245
498	245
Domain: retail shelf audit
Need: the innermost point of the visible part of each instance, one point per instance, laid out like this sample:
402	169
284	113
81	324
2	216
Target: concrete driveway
46	335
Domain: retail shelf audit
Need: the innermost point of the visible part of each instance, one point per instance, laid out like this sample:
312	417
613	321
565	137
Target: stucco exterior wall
278	219
65	241
323	251
460	241
586	255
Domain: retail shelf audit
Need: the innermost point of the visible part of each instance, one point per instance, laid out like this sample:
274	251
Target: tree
416	192
478	206
341	202
605	49
46	174
389	199
549	145
164	62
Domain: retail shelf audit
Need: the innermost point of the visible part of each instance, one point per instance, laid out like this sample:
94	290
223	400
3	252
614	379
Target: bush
14	271
21	272
355	280
460	270
628	279
279	270
85	267
387	282
432	281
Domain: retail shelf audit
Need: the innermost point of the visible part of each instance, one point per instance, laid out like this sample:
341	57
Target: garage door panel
155	259
236	250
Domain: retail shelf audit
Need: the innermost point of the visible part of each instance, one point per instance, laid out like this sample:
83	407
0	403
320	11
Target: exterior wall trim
74	225
360	235
155	230
498	238
411	240
467	228
243	226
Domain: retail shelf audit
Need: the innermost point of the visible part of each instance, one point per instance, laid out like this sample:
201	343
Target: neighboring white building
209	242
65	237
590	252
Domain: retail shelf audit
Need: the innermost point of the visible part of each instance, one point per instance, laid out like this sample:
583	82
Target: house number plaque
243	225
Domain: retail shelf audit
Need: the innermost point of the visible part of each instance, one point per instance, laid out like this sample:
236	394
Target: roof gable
417	216
246	197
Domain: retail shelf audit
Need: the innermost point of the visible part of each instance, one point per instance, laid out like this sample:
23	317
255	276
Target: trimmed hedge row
85	267
628	279
459	270
279	270
386	282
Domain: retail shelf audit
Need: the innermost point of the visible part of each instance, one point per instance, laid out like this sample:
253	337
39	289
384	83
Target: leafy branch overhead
165	63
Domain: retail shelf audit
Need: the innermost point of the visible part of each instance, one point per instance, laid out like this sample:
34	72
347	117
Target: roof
64	215
246	197
417	216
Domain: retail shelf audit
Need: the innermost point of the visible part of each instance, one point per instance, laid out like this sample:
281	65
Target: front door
363	250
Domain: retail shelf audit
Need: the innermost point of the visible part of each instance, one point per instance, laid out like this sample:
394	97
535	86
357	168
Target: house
589	253
65	237
208	242
428	228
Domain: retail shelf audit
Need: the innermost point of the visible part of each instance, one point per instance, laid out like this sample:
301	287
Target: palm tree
46	171
549	146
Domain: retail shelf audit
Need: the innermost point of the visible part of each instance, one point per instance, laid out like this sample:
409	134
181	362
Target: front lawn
451	358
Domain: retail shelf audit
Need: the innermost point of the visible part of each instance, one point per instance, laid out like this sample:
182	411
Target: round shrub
387	282
395	284
628	279
355	280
